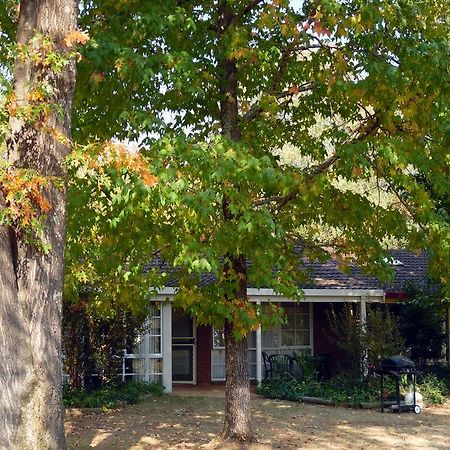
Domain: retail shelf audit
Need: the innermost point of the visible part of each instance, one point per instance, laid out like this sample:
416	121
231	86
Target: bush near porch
347	390
110	396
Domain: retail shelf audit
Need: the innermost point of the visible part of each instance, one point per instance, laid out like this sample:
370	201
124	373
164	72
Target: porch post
363	319
167	345
258	353
146	348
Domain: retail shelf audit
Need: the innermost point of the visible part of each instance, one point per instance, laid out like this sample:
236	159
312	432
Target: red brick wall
321	327
204	339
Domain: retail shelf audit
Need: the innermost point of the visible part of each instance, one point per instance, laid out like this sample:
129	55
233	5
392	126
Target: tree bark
237	423
31	282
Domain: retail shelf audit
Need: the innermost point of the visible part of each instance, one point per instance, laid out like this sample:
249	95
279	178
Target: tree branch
248	8
280	201
256	109
309	173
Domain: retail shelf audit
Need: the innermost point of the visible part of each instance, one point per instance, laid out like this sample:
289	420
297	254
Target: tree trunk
237	423
31	282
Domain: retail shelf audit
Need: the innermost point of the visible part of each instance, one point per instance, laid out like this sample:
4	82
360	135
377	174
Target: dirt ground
189	421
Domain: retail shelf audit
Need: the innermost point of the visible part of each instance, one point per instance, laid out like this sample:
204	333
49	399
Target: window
218	354
145	363
293	335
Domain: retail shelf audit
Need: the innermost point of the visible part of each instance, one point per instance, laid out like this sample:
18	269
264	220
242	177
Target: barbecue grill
396	367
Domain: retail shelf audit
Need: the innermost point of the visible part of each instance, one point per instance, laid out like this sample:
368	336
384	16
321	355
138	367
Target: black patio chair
283	366
267	366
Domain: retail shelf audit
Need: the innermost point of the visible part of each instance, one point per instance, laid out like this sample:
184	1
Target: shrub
380	336
433	389
421	321
441	371
110	396
94	343
345	389
342	390
308	366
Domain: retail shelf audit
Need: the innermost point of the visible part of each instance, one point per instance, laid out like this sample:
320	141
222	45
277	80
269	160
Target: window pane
155	344
287	338
218	338
138	365
252	371
155	366
154	309
252	339
218	365
302	322
182	326
155	378
270	339
302	338
155	326
139	347
290	320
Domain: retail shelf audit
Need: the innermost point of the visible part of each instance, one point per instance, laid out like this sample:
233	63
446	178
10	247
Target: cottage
174	350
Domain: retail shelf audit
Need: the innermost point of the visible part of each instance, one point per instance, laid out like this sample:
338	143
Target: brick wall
322	344
204	339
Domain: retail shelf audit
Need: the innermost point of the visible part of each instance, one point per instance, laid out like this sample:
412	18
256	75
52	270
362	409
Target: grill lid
397	362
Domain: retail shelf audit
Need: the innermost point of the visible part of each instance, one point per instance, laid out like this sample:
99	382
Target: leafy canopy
359	89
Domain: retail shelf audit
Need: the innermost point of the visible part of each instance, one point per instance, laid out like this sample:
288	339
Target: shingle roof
413	268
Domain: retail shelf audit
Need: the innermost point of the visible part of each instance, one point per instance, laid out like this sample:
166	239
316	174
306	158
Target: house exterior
174	350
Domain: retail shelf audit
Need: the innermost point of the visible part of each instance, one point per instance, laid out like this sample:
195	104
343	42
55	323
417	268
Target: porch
176	352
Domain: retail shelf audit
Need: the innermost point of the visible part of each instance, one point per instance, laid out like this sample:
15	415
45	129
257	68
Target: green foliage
94	343
112	240
307	78
351	114
379	336
421	321
342	390
307	365
346	332
111	396
434	389
440	371
348	390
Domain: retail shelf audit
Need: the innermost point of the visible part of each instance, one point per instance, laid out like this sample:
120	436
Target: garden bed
345	391
111	396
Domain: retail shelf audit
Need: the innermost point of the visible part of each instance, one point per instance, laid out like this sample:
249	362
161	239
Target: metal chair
282	366
267	366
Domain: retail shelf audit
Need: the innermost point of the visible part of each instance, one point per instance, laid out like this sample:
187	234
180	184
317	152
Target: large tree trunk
237	423
31	282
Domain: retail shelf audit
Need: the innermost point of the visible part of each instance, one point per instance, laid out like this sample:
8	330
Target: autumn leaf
320	29
75	37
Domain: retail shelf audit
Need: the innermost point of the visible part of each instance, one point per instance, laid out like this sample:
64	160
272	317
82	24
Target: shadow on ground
189	422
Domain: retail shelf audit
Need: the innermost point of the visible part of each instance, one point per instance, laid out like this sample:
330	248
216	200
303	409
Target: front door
183	348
